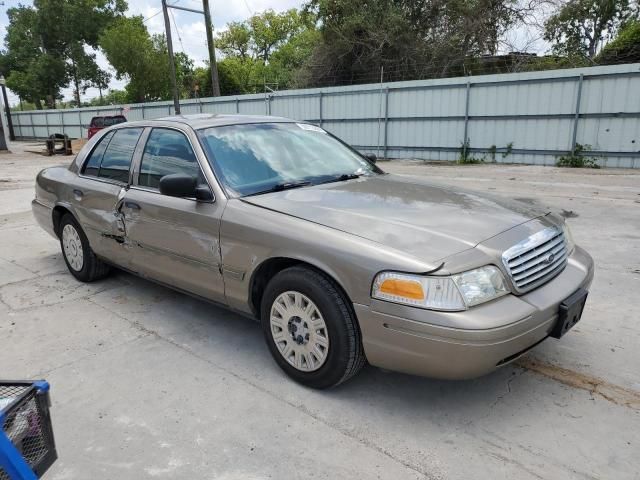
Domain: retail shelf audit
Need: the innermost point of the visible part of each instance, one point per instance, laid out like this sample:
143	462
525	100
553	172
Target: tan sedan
340	262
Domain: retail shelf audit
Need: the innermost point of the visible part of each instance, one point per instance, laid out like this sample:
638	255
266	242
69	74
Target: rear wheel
80	259
310	328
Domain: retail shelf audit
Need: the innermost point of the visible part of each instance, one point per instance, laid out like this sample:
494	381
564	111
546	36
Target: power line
175	25
159	12
246	4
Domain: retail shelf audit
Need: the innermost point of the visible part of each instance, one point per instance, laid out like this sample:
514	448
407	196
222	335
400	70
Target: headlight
453	293
480	285
568	237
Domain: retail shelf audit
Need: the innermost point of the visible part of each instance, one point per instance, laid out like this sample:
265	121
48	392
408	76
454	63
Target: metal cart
27	448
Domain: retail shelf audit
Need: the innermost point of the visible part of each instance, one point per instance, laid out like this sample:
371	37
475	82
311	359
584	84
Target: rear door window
92	164
167	151
116	160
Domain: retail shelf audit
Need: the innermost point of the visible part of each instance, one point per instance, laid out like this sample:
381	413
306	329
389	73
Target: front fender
251	235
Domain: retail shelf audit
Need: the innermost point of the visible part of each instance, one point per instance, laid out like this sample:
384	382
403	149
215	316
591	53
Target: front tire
310	328
76	251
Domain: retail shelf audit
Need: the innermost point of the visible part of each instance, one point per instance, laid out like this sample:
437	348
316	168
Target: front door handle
78	193
131	205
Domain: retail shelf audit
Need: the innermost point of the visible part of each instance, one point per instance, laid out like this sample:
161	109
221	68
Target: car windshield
262	157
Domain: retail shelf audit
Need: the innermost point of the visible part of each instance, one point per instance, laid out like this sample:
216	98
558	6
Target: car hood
425	220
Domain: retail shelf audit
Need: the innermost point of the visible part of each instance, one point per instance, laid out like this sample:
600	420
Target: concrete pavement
150	383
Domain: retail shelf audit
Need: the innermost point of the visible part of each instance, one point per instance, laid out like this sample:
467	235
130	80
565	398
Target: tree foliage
48	45
581	27
625	48
265	50
142	59
407	38
53	43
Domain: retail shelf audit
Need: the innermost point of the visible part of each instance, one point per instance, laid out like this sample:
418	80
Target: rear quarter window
92	164
116	160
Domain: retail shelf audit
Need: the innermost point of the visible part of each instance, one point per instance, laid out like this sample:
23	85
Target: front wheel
310	328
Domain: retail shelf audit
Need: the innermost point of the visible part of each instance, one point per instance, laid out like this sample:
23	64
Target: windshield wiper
343	177
278	187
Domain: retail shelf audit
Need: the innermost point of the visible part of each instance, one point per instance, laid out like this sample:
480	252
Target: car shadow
235	343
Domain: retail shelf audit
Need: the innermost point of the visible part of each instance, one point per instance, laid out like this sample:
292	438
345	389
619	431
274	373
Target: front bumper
459	345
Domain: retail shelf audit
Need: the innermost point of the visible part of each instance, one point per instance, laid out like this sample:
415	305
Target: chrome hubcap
72	247
299	331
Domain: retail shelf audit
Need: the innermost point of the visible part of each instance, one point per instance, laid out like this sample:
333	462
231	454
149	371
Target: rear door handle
132	205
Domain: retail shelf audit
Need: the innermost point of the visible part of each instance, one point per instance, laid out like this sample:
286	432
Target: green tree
260	35
408	38
134	55
625	48
271	30
101	81
235	41
112	97
580	27
46	46
34	69
265	49
142	60
227	77
84	72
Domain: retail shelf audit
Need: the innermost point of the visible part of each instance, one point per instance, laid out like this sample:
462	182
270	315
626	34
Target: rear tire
76	251
310	328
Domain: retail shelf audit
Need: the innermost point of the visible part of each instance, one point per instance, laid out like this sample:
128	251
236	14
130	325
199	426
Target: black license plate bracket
570	312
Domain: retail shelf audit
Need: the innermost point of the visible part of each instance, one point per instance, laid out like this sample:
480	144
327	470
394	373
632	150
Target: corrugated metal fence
529	117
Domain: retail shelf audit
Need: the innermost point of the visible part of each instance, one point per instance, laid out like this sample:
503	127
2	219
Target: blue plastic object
27	448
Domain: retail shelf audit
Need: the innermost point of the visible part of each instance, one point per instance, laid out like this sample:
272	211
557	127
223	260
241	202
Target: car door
100	187
174	240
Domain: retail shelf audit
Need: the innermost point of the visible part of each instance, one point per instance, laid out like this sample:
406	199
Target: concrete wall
531	117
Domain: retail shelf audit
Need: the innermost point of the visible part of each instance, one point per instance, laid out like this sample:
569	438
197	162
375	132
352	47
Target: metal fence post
46	121
386	122
80	122
142	108
237	105
33	127
62	120
320	107
16	125
465	140
380	109
574	135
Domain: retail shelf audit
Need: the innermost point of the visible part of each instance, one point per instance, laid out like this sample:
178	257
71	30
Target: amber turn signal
402	288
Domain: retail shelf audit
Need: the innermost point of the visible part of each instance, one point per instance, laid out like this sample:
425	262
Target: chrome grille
536	259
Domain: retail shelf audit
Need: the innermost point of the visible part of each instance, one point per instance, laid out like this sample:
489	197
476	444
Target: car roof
204	120
108	116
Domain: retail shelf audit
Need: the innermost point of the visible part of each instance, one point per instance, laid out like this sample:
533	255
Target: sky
190	35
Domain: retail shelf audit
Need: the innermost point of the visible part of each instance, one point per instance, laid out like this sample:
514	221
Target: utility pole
215	82
172	64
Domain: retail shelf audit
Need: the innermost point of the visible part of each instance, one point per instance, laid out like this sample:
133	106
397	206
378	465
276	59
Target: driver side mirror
184	186
371	157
